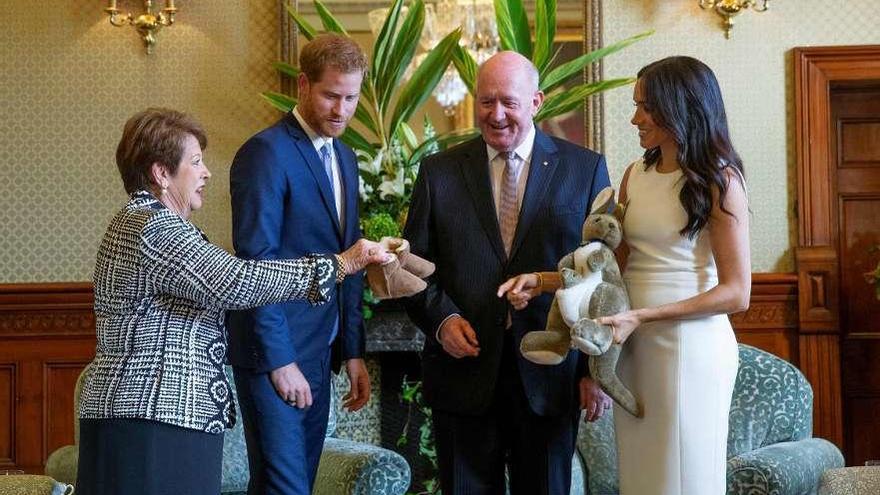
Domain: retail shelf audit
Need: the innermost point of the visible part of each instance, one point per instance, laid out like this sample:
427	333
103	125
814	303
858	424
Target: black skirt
136	456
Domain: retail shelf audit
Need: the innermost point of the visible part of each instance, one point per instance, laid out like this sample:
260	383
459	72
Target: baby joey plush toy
400	276
591	288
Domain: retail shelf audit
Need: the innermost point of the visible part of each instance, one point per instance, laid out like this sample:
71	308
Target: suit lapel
541	169
348	171
307	150
474	165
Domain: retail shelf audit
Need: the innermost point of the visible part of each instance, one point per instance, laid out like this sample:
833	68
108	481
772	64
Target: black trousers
473	451
145	457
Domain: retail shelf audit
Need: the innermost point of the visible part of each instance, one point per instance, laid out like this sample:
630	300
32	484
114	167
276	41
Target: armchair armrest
786	467
62	463
354	468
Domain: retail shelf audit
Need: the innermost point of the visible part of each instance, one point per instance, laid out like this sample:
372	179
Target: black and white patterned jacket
161	290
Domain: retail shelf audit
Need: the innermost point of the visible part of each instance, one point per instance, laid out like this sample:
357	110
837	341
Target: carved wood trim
57	309
818	280
773	303
770	323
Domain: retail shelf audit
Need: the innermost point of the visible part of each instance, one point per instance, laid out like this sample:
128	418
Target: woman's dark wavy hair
683	97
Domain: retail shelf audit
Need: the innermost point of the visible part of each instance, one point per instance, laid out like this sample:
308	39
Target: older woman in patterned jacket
156	400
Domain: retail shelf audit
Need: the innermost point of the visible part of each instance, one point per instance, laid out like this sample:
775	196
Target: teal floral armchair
770	449
346	467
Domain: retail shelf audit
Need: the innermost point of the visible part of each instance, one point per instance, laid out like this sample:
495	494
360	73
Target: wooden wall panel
48	335
820	363
864	411
7	414
59	383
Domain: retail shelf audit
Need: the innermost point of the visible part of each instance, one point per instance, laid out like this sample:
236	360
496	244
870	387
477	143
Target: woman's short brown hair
331	50
154	135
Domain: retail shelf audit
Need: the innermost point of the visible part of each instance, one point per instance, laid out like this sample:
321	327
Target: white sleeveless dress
682	371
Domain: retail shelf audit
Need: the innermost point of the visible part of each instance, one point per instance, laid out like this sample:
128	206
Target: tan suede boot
390	281
412	263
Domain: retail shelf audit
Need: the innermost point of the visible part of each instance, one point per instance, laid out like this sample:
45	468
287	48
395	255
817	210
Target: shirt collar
524	150
317	140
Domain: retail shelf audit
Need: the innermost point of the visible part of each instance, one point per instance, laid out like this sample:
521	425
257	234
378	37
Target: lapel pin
545	164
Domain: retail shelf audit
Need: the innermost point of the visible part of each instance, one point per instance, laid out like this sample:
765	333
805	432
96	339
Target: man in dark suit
510	202
294	191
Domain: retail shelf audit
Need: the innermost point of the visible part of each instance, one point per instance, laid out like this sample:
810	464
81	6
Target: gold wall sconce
728	9
147	23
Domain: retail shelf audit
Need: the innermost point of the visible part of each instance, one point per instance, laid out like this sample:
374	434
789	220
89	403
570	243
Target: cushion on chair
851	481
781	468
359	468
30	484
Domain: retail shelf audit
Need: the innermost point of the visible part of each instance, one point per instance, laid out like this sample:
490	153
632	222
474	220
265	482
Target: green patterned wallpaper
754	69
70	80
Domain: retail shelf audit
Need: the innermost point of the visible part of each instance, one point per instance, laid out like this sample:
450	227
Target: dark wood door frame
815	70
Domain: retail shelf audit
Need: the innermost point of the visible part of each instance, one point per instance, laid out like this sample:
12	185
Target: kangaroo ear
603	201
620	211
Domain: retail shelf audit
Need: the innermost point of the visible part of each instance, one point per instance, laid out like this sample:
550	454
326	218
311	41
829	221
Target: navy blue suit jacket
283	207
452	222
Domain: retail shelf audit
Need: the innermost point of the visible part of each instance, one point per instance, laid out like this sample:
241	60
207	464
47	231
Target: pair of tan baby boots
402	275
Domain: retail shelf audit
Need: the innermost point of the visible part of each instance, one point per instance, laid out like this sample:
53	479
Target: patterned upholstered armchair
770	449
346	467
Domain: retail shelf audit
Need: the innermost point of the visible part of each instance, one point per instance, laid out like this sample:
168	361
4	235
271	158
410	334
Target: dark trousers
473	451
284	443
146	457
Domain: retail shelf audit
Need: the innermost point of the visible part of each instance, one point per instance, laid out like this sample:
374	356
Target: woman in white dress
687	267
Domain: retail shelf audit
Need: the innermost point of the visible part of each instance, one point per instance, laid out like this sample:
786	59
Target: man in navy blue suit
512	201
294	191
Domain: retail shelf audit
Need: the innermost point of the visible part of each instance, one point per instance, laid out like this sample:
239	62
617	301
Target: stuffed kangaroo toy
591	288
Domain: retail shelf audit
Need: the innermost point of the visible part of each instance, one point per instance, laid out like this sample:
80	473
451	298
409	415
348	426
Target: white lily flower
365	190
369	164
393	187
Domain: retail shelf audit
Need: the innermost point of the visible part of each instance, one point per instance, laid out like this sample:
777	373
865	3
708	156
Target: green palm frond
545	32
559	103
563	73
513	27
424	79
